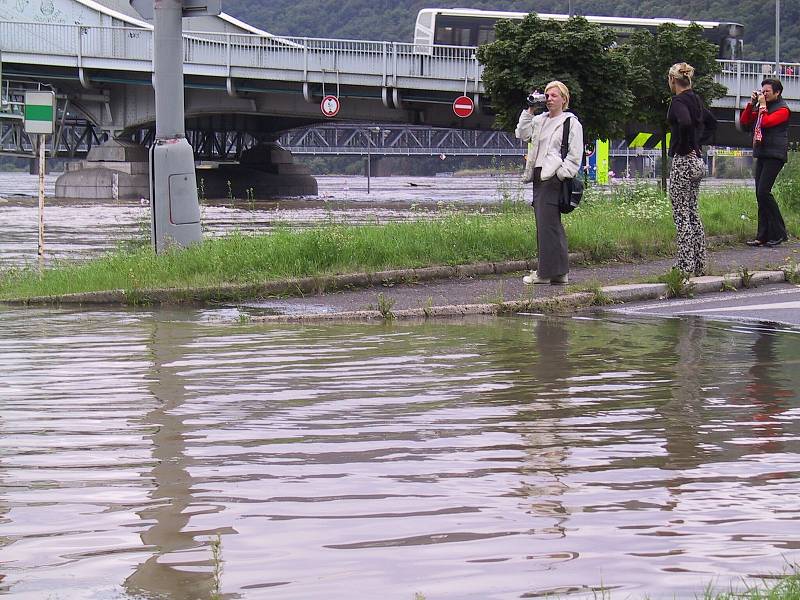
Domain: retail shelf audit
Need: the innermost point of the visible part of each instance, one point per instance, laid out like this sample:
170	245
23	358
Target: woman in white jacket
547	169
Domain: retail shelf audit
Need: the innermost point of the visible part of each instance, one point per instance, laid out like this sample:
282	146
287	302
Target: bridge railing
371	63
384	61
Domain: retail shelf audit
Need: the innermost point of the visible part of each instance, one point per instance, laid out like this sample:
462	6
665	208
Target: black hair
777	86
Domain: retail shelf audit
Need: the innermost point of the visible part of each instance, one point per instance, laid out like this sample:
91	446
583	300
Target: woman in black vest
769	114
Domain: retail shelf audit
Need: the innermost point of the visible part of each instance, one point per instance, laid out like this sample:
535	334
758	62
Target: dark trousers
550	236
770	221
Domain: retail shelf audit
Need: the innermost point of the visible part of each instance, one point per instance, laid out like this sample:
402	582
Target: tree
651	54
529	53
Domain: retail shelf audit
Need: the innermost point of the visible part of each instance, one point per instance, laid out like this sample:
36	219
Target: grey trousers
550	237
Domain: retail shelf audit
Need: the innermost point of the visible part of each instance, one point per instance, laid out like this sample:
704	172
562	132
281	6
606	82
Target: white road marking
772	306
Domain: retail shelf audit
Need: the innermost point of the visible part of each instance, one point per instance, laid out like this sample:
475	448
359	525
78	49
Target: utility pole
777	37
175	208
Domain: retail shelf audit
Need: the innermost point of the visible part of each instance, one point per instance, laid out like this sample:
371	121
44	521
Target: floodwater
184	455
77	230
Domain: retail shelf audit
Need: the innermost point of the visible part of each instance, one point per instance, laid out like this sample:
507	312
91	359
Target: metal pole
570	8
168	57
777	37
41	202
369	158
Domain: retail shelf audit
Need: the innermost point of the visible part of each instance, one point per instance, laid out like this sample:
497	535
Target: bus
473	27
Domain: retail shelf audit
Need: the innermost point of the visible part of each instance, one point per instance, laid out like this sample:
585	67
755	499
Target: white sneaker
560	279
534	278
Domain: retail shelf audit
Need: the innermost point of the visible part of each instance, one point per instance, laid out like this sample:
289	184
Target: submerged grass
634	220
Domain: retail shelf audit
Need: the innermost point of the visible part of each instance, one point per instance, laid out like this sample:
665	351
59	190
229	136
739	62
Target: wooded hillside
389	20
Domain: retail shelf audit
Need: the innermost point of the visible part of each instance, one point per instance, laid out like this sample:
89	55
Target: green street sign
40	112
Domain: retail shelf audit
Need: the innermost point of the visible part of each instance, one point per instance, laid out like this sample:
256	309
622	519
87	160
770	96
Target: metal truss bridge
399	140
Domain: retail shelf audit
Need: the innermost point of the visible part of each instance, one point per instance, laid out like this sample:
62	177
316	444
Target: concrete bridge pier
120	169
115	169
264	171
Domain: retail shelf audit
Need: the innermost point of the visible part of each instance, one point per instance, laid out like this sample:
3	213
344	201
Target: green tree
527	54
651	54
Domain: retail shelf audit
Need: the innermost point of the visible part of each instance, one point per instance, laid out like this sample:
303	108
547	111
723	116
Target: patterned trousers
690	237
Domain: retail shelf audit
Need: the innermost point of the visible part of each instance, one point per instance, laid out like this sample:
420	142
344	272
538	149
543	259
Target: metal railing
384	62
250	56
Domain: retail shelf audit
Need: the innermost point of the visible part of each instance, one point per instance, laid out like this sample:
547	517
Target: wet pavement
509	287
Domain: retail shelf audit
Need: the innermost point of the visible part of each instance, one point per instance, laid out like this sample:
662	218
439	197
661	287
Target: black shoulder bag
571	187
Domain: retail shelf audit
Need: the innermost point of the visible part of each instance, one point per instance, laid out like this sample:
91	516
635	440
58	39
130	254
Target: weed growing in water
427	308
599	297
216	557
385	305
678	284
791	272
747	277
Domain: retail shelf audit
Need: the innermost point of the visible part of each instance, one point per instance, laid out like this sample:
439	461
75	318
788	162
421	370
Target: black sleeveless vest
775	140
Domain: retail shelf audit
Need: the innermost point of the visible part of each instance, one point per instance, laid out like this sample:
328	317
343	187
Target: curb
610	294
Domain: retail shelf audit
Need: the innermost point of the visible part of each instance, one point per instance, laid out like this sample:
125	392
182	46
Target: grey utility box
173	195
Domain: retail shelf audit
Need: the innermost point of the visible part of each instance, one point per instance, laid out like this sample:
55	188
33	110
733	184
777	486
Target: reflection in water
502	458
179	567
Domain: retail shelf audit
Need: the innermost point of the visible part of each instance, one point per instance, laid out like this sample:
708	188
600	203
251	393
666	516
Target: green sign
40	112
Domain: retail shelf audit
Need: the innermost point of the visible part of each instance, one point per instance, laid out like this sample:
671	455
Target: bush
787	188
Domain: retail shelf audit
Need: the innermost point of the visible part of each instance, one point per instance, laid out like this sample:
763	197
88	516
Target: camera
537	100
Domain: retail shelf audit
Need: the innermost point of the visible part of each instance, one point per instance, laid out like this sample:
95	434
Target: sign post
40	116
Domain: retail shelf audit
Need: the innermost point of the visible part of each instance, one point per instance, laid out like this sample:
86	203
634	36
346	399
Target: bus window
444	36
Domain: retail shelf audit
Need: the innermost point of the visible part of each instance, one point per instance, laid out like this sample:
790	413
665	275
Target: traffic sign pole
40	111
41	201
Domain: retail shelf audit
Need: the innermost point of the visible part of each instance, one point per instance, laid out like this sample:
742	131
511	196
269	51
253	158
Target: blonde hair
682	72
561	88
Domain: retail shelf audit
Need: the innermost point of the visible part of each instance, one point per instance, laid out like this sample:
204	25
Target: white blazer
529	130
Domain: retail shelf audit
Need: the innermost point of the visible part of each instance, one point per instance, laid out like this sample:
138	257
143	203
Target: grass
634	221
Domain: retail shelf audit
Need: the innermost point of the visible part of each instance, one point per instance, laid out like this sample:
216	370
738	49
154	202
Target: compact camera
537	99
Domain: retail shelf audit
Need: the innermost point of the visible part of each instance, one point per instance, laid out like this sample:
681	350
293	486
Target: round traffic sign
330	106
463	106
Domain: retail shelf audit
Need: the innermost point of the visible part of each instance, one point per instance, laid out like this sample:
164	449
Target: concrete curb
610	294
316	285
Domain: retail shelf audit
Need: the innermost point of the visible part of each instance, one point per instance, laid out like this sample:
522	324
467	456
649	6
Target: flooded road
160	454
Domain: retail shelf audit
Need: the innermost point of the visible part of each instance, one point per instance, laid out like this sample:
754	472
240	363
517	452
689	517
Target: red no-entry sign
463	106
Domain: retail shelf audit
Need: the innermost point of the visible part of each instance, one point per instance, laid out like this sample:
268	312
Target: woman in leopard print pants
685	117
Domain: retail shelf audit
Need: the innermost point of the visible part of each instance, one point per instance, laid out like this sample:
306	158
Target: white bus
472	27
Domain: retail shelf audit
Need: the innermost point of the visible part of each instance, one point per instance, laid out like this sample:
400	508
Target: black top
690	123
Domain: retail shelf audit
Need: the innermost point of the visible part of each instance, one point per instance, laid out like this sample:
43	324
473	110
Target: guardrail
331	61
309	59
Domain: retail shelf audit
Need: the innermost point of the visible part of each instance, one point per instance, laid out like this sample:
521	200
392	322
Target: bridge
241	84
